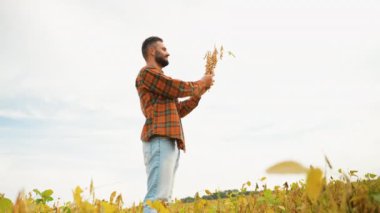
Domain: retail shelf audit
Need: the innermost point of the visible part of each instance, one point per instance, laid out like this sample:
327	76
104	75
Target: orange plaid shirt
159	103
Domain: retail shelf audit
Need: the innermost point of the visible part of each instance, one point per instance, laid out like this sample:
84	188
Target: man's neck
153	64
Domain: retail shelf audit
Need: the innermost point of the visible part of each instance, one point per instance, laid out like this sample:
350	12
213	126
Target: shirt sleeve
163	85
186	106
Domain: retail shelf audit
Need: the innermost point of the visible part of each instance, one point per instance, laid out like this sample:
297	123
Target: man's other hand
208	80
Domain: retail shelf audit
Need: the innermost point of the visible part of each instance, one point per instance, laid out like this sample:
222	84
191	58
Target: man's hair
148	43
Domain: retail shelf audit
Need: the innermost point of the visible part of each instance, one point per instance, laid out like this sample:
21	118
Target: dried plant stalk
212	60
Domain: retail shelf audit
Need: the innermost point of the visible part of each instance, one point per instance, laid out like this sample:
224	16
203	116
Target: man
162	133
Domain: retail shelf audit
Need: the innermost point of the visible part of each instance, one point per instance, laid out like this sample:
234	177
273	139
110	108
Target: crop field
348	193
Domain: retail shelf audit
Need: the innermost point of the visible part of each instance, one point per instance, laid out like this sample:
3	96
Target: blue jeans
161	157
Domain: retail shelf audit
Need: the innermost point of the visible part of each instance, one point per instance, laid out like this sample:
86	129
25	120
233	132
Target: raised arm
163	85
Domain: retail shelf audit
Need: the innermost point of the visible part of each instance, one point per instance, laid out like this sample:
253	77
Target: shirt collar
155	69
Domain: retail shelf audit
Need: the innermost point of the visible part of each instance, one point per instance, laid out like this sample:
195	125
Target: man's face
161	55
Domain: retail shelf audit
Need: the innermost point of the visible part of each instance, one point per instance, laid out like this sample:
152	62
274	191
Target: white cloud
304	83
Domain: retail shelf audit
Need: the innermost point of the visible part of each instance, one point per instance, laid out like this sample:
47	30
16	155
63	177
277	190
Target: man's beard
160	59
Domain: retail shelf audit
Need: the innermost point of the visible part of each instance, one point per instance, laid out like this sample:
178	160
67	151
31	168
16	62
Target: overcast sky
305	82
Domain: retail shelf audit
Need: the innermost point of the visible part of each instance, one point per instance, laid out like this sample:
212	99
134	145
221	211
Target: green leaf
370	176
353	172
208	192
376	197
231	54
5	205
267	193
47	193
37	191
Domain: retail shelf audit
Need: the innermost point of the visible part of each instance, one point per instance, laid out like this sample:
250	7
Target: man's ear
152	50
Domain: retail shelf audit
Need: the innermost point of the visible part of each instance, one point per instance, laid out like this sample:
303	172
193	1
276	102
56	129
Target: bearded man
162	134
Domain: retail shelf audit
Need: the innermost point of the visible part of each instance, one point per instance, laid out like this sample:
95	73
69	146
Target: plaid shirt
159	103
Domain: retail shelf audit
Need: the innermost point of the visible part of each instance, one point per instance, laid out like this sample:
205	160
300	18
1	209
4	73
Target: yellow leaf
112	196
119	200
314	183
149	203
107	207
159	206
263	178
92	187
287	167
196	195
21	204
77	195
208	192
